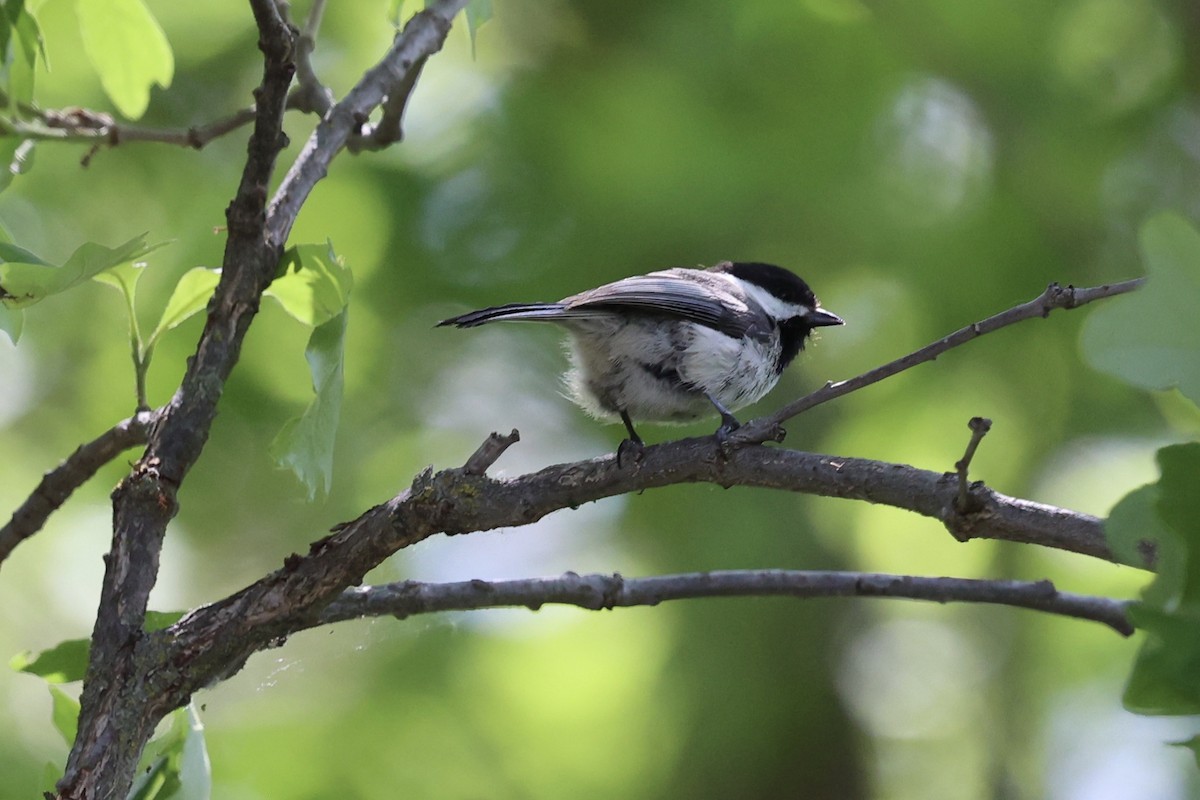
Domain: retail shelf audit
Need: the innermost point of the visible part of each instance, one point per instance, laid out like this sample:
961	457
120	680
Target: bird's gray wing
692	295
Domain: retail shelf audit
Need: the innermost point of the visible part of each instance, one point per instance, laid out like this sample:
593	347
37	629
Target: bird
676	344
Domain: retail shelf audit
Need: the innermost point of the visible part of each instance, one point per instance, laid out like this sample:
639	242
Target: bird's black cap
782	283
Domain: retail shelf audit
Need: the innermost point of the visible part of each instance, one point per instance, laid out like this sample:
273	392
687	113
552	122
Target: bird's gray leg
729	422
630	448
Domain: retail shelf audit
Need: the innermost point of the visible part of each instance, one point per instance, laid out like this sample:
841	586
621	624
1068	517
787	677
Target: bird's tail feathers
544	312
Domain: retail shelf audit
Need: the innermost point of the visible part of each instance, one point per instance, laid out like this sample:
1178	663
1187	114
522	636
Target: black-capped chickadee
673	345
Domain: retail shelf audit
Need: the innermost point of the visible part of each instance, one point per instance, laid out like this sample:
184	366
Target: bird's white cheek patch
773	305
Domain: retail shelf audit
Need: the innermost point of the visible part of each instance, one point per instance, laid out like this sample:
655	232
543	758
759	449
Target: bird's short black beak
820	318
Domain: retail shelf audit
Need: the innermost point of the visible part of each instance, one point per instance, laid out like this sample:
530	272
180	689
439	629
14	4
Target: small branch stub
489	452
979	427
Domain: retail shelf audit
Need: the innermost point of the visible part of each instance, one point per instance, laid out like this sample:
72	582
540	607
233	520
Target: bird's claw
728	426
630	450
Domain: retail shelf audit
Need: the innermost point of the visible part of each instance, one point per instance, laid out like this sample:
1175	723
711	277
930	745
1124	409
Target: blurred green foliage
922	164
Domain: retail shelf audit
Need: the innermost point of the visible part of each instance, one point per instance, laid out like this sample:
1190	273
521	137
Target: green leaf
22	44
1138	536
313	284
190	296
63	663
1151	338
19	85
1179	508
12	321
176	764
305	445
1166	674
6	32
395	12
64	713
124	278
478	12
195	769
29	33
50	775
128	49
153	781
11	252
25	283
26	33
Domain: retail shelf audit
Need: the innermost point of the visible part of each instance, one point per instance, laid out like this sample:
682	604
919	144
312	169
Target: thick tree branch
122	699
78	468
1055	296
596	592
116	717
213	642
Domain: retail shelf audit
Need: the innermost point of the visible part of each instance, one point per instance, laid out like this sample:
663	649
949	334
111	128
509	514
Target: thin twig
75	470
1055	296
82	125
979	427
596	592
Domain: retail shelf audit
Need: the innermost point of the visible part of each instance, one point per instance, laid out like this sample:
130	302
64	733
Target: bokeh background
922	164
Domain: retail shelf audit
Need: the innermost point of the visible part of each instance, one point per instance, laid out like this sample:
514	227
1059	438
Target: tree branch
389	129
78	468
1055	296
597	592
422	37
213	642
88	125
117	717
122	698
